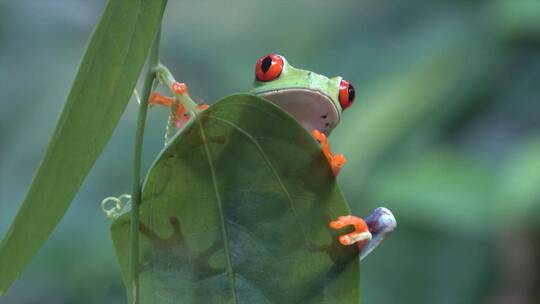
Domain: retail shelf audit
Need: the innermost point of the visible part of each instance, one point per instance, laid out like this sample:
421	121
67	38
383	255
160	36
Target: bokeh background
445	132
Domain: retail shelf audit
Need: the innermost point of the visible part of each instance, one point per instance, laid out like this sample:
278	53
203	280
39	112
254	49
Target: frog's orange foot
360	235
158	99
336	161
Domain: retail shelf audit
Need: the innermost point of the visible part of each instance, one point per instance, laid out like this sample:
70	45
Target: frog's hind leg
359	235
158	99
369	232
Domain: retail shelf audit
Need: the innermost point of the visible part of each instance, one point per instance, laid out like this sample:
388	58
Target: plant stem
137	191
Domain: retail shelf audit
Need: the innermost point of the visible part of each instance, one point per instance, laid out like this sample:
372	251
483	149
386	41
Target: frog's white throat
311	108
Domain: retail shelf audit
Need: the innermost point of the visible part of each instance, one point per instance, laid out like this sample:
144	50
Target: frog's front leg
336	161
369	232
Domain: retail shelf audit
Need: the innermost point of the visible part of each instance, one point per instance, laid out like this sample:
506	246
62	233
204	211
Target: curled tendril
112	206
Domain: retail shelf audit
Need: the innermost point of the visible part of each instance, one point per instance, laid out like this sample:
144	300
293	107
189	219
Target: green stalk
137	185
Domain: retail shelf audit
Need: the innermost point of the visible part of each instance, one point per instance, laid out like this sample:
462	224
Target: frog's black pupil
351	93
266	63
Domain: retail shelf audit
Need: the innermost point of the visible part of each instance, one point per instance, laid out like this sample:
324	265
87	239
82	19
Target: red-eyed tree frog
317	103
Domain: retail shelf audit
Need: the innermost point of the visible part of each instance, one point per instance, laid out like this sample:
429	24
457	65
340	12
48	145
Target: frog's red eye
346	94
269	67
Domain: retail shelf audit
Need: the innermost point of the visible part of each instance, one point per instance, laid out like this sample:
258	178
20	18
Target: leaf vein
221	215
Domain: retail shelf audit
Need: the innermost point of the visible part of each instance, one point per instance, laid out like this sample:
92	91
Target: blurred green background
445	132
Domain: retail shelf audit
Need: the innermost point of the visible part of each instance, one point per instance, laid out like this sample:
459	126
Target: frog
317	103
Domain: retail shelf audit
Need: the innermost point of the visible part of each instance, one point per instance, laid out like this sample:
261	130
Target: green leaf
98	97
236	209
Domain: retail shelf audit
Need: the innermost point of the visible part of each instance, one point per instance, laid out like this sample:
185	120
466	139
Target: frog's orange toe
345	240
355	237
339	160
337	224
343	221
156	98
320	137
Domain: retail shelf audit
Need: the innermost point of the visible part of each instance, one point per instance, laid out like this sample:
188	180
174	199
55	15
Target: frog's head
314	100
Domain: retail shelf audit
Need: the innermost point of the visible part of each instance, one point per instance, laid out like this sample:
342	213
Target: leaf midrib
224	230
